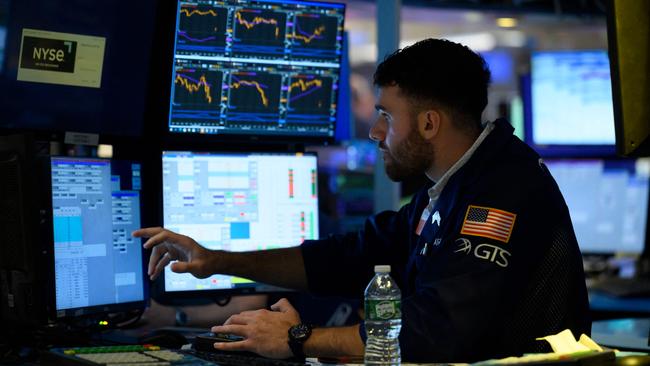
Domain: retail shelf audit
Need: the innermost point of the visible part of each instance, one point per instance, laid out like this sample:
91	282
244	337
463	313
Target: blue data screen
96	260
572	98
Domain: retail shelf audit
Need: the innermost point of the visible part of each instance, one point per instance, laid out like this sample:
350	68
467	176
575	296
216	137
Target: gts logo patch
488	252
48	54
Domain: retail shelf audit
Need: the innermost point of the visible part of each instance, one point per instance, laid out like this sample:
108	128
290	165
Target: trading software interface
256	67
96	206
607	200
572	98
238	203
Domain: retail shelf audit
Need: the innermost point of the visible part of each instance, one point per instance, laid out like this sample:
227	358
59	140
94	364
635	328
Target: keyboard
150	355
623	287
146	355
239	358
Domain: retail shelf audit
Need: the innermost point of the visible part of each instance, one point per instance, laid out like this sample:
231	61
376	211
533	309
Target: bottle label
383	309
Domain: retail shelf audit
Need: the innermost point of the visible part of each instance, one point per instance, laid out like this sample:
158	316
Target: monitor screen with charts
256	67
98	265
238	202
608	202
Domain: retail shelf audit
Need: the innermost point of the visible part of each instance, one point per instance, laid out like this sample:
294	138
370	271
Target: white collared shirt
434	192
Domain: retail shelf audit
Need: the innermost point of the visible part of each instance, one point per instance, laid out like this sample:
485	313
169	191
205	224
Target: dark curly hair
441	73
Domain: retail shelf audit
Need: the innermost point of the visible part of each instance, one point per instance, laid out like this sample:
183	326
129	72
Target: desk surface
631	334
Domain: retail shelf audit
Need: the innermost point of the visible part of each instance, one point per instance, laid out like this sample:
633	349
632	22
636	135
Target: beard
410	158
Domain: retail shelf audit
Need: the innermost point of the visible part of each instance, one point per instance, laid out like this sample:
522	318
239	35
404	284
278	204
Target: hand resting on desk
265	332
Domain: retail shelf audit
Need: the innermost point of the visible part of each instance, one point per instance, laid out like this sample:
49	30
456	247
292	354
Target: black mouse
164	338
635	360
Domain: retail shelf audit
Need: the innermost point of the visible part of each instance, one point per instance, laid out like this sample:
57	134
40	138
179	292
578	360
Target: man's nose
377	132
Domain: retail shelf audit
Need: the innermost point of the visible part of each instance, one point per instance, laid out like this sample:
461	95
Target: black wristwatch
298	335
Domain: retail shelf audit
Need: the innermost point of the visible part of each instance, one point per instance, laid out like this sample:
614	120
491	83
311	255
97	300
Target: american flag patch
489	223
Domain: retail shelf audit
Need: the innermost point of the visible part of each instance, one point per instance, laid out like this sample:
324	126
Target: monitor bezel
646	244
95	310
557	150
168	23
158	291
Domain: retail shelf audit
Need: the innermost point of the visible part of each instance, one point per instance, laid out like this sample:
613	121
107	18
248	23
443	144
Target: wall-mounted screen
256	68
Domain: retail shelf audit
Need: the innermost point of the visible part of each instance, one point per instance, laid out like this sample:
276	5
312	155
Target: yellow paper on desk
564	342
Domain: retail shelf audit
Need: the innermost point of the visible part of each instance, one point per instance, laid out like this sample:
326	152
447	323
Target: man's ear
429	123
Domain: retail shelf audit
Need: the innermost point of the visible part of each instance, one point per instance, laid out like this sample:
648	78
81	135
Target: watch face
300	332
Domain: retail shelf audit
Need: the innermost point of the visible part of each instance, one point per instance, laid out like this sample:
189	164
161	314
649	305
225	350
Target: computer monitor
607	200
102	89
245	68
98	265
237	202
65	245
628	36
571	104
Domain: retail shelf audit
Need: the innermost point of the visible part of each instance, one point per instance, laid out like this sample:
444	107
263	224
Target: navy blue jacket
476	284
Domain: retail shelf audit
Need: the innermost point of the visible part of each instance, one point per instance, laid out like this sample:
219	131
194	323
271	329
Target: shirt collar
434	192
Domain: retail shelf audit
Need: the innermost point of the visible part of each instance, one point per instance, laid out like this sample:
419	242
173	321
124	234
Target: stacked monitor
237	202
607	200
98	265
570	121
256	68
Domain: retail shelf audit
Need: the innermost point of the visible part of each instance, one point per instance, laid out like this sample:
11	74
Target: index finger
158	238
147	232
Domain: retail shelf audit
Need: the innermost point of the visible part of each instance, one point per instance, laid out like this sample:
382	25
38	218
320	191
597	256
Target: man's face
406	154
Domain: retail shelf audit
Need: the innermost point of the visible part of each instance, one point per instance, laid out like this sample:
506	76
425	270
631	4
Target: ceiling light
507	22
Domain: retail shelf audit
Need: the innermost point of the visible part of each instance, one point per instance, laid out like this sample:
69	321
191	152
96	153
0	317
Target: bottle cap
382	269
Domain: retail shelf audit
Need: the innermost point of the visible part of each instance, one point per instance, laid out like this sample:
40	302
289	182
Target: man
486	256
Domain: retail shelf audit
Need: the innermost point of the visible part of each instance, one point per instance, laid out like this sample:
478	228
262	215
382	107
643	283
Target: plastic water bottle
383	301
